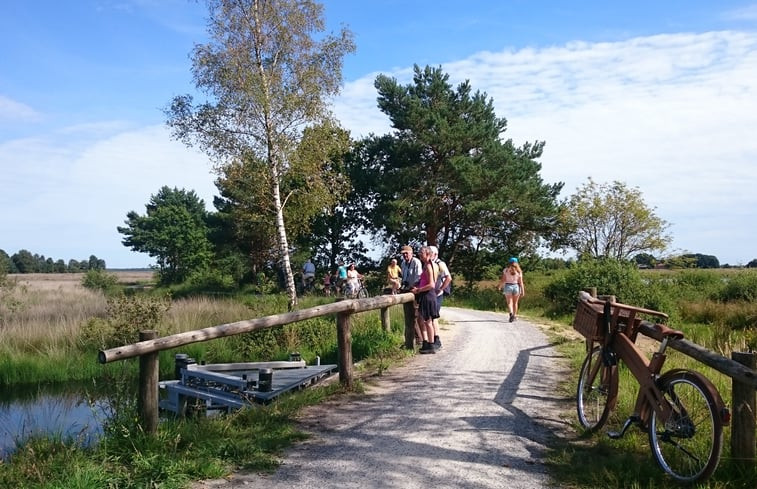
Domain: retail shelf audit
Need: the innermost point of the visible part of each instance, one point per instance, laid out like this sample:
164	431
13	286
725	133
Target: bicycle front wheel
687	445
362	293
597	391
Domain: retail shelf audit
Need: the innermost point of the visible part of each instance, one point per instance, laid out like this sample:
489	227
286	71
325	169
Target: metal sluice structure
225	387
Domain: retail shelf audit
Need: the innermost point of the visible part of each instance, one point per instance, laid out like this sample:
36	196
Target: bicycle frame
646	373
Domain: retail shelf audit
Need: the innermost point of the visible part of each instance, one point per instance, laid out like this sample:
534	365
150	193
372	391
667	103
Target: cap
406	248
513	260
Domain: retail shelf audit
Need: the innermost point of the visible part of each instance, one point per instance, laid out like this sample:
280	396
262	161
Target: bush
212	280
740	287
126	317
610	277
99	279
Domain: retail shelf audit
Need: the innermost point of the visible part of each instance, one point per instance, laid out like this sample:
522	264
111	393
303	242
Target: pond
69	411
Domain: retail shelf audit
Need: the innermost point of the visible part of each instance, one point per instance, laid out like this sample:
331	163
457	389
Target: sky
659	95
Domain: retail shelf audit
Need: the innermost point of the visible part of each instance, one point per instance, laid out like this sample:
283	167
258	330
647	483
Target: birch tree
268	70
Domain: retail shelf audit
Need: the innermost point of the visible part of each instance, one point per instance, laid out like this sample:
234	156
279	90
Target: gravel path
478	414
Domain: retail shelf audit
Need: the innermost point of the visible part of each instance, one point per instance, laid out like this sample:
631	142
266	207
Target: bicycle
681	410
359	292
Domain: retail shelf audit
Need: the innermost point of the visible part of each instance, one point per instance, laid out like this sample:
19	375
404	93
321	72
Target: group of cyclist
345	279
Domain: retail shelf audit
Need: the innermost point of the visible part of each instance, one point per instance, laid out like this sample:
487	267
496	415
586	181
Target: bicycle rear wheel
687	445
597	391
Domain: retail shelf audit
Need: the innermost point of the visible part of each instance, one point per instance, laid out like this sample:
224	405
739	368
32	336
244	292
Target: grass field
44	318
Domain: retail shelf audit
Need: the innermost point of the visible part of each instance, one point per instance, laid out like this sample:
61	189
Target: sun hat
513	260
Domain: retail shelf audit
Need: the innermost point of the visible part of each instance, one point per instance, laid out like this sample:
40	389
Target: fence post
344	344
147	402
409	310
743	419
385	319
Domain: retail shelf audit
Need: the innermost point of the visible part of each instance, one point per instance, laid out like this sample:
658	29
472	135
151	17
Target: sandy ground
478	414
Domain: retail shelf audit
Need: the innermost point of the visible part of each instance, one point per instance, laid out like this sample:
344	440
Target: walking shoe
427	348
437	342
512	317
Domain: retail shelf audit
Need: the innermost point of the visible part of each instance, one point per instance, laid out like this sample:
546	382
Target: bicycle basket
589	321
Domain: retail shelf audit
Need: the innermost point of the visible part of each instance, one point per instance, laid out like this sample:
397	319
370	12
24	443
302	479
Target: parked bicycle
681	410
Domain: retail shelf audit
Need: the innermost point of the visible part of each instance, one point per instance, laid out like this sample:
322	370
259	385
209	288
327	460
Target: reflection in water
64	412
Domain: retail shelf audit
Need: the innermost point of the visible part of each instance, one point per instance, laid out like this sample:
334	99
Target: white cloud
64	200
748	13
673	115
13	111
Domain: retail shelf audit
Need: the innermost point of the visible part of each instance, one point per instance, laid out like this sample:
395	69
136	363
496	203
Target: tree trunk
284	246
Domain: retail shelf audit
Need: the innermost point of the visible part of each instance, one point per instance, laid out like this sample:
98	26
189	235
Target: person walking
443	283
425	297
512	287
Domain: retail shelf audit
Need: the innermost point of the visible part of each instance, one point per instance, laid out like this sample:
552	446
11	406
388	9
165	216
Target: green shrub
610	277
213	280
126	317
740	287
99	279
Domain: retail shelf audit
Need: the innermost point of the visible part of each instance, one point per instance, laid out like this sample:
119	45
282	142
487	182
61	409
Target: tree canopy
173	230
611	220
444	176
268	71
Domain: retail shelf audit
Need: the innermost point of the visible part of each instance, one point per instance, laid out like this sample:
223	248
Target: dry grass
43	312
72	281
202	312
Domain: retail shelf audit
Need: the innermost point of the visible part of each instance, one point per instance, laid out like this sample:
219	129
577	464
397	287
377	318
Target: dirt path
478	414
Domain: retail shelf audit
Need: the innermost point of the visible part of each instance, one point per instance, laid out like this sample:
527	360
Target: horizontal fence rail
149	346
724	365
231	329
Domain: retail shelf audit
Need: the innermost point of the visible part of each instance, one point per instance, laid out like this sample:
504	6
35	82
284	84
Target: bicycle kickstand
616	435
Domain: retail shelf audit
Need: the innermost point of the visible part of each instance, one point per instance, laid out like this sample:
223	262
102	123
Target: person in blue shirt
341	276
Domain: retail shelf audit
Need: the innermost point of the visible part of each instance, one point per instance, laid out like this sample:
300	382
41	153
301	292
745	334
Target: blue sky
659	95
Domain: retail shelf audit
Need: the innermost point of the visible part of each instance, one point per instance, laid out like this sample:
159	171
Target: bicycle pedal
615	435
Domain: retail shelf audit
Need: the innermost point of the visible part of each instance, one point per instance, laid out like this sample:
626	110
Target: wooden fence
150	344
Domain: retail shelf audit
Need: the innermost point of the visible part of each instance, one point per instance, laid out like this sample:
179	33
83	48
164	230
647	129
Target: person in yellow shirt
394	275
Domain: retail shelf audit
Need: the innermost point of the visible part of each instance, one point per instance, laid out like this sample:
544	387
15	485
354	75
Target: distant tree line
686	260
24	261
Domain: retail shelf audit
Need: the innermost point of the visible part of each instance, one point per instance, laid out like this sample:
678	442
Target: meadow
53	326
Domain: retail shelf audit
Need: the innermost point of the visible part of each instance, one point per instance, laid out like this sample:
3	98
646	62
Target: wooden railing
150	344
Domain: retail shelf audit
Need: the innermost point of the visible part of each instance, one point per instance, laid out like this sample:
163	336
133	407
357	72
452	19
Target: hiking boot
437	342
427	348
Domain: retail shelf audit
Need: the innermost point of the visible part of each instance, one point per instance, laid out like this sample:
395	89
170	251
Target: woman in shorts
511	284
